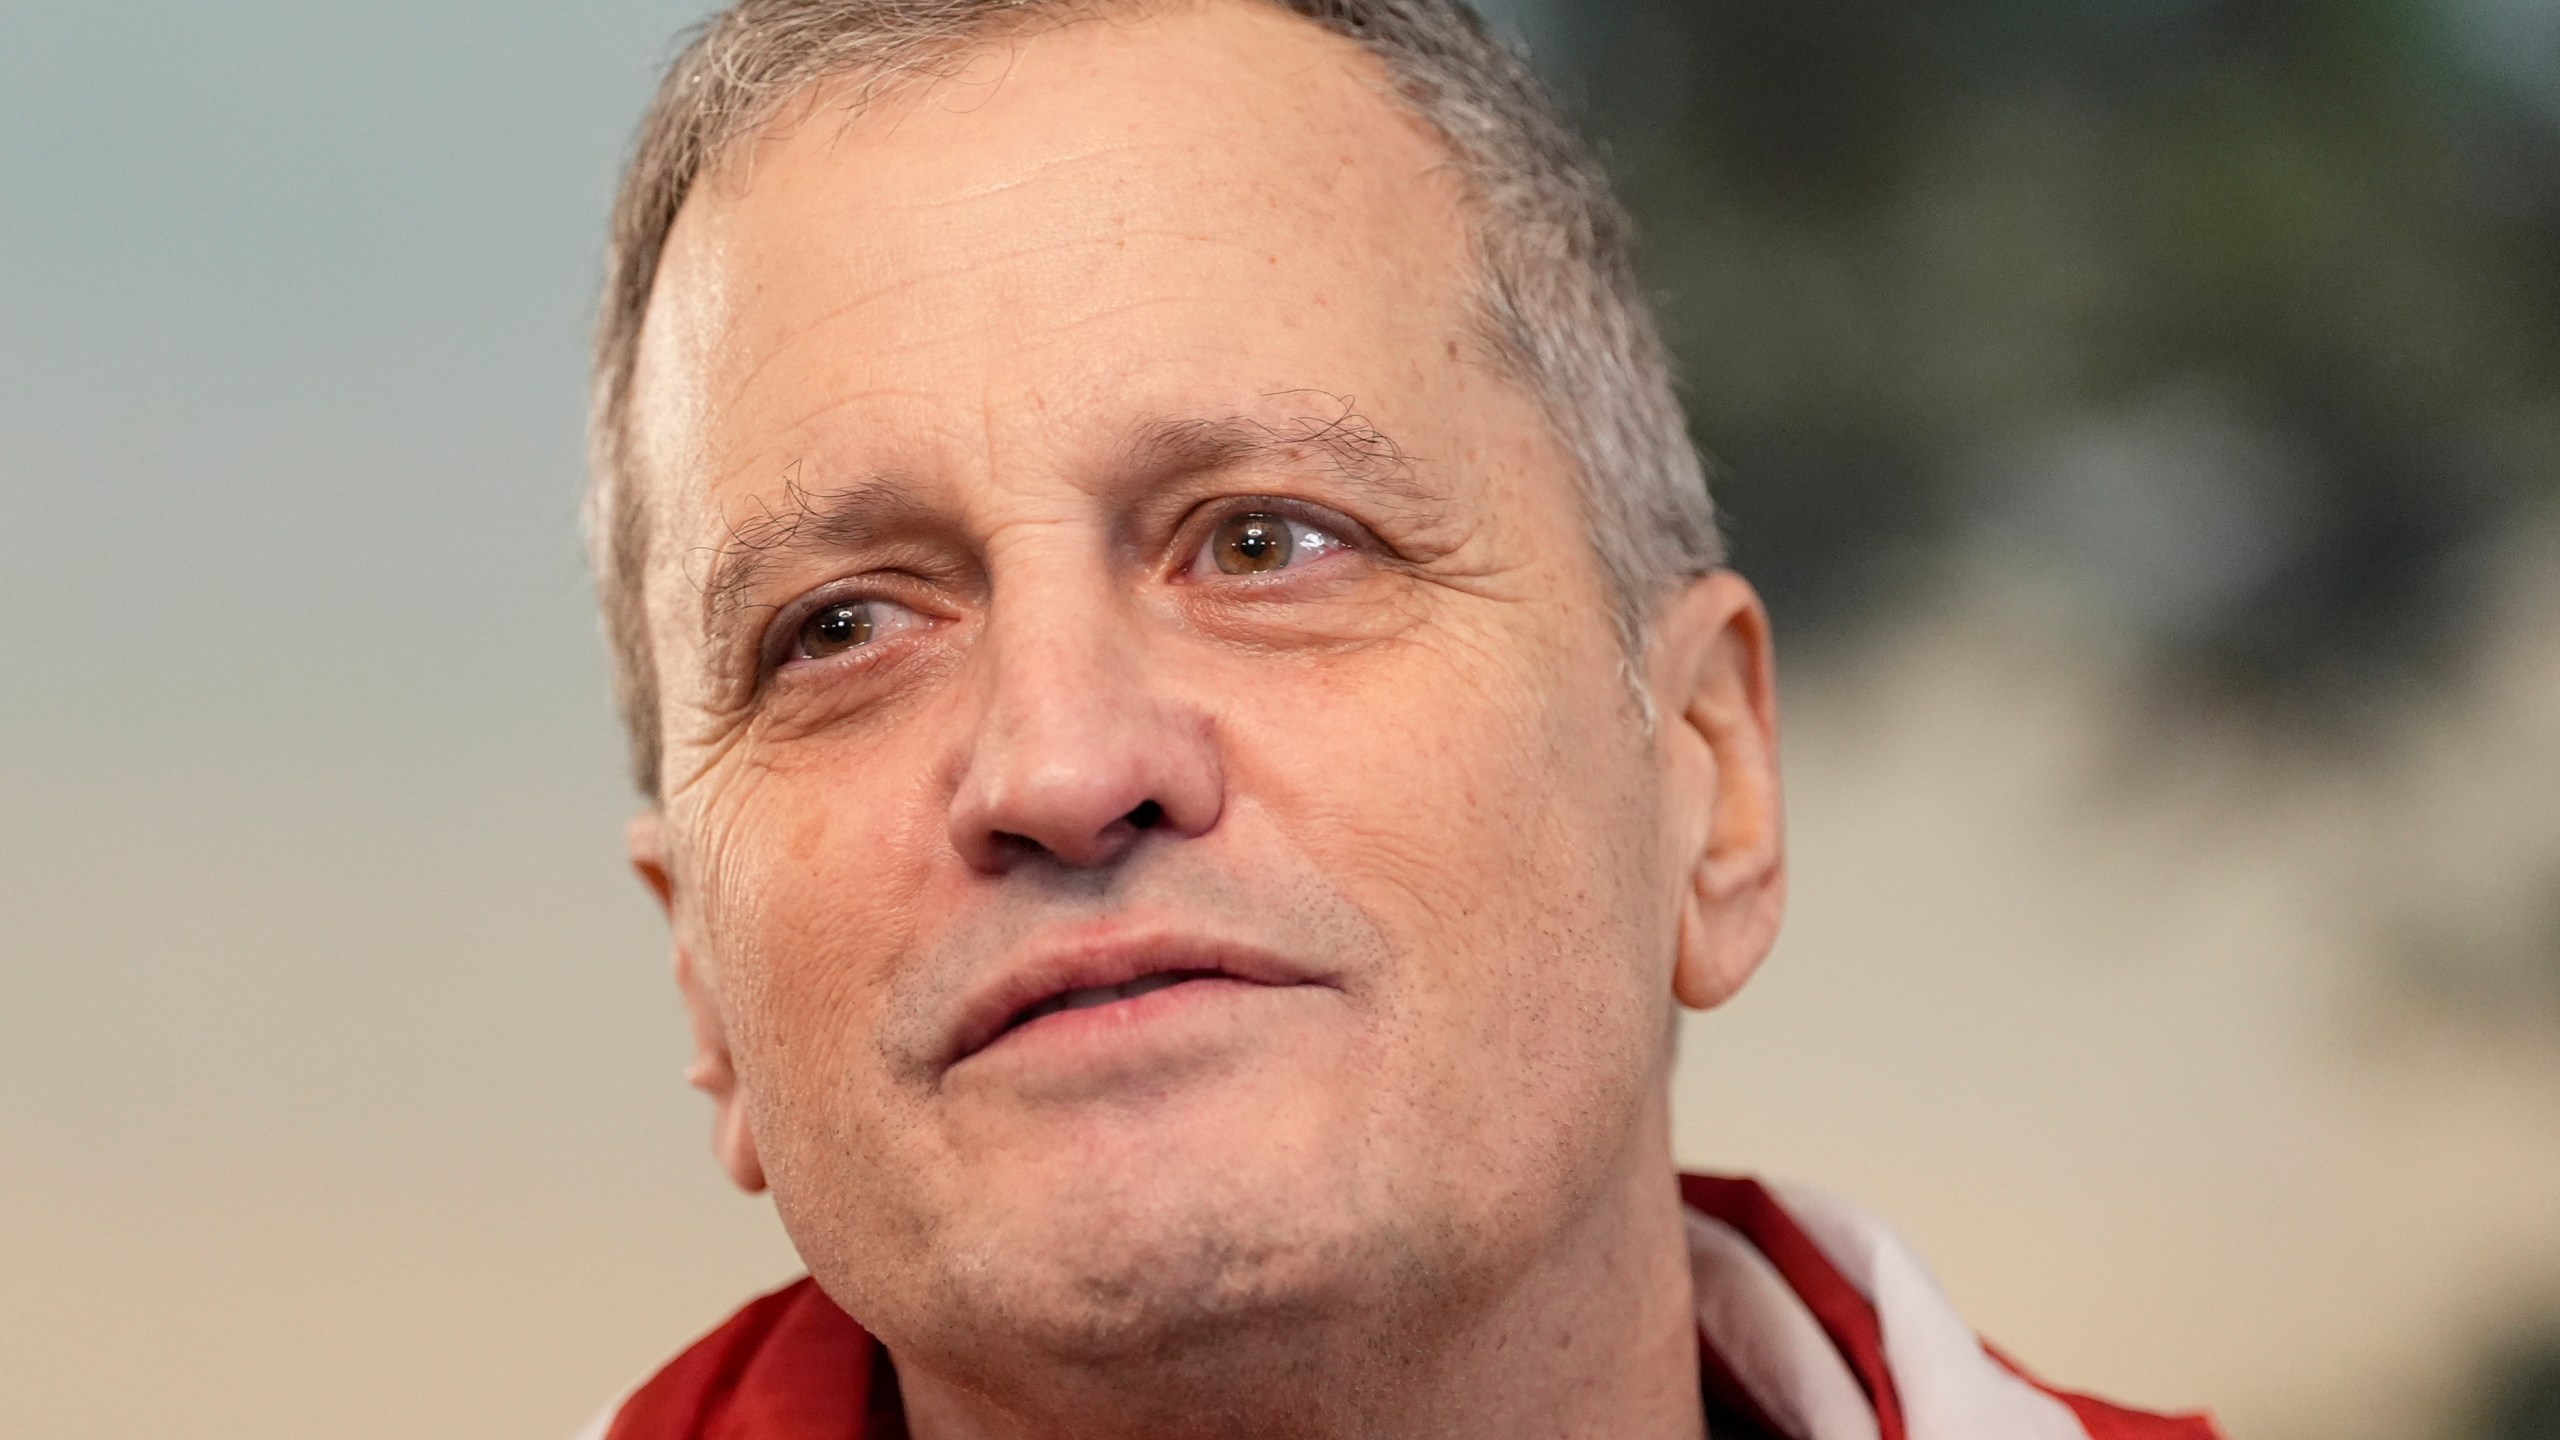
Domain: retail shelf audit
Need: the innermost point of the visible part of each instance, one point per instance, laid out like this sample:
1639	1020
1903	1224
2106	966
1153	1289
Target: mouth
1128	976
1092	997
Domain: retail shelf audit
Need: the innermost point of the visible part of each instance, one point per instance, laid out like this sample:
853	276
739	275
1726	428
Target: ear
1715	690
713	1071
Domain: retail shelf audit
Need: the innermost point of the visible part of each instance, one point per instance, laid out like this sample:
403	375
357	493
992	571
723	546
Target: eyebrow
804	522
1344	443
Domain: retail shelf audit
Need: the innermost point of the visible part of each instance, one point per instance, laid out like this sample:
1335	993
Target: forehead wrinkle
803	421
1046	170
802	332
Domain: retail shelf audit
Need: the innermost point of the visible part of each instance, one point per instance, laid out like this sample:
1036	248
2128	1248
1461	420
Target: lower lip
1114	1028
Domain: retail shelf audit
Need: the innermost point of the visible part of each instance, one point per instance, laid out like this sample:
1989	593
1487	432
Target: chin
1159	1291
1219	1236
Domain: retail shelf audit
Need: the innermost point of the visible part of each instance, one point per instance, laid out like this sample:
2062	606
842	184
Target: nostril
1146	817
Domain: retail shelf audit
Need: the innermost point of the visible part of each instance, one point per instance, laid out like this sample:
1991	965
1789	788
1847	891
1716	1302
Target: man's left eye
1259	542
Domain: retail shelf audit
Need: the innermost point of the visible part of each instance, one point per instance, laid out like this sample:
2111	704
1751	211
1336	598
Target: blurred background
2144	416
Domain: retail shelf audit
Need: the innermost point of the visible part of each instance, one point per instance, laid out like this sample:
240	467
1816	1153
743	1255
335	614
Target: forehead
1175	211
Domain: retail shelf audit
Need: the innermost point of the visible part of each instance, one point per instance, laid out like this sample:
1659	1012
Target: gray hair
1558	297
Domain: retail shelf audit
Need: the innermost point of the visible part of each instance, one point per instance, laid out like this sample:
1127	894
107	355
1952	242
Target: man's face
1095	548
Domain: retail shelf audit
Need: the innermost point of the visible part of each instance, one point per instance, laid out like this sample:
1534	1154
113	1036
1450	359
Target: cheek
810	897
1489	806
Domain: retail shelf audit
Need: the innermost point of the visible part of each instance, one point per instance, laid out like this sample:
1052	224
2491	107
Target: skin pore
1093	543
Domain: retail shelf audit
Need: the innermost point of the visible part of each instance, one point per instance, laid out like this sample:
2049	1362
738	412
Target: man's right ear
713	1071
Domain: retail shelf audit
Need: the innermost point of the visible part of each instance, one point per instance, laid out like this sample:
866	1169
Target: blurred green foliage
2244	313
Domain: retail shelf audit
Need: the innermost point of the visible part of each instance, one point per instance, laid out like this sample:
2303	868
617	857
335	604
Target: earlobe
713	1070
1717	690
1721	950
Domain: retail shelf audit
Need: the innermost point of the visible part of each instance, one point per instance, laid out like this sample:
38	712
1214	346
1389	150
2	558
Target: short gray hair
1558	298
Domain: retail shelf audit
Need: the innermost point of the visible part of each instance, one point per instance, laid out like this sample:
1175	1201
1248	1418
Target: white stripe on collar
1770	1341
1949	1386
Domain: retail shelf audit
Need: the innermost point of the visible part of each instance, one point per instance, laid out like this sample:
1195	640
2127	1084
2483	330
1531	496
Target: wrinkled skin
999	357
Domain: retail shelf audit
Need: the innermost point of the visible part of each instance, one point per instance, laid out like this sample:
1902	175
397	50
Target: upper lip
1049	971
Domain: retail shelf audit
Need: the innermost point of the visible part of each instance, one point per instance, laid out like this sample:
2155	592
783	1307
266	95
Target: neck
1595	1337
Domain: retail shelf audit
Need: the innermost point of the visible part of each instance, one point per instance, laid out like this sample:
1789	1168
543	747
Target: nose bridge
1077	744
1057	661
1055	650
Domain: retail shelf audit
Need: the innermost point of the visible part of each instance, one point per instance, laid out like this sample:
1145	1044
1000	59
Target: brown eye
836	629
1252	544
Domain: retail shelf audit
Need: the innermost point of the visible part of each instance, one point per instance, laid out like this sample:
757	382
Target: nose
1081	745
